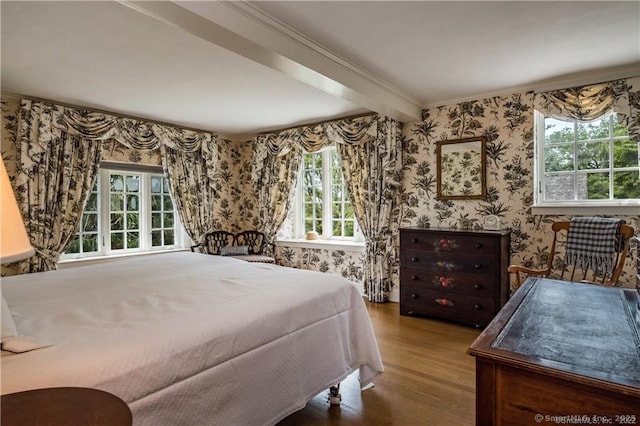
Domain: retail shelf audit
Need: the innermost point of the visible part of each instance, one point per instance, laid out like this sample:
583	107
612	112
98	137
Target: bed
188	338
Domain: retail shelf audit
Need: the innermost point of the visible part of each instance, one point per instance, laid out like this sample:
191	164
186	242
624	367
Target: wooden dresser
458	275
560	353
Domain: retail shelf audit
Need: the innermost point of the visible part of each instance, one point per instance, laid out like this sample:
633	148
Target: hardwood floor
428	379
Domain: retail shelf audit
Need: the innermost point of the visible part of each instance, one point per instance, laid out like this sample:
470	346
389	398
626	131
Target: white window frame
572	207
104	233
299	217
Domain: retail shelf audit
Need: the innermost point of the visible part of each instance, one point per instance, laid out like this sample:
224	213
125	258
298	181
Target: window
127	211
586	162
323	202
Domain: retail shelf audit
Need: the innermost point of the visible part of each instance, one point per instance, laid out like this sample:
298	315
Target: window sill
627	209
357	246
81	261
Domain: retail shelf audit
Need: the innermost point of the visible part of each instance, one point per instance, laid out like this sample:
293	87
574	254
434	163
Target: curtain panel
58	156
370	149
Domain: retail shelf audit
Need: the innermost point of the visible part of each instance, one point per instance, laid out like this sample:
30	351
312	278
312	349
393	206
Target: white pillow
10	340
234	251
8	326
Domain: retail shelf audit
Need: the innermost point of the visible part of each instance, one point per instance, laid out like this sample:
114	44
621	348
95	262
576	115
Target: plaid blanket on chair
592	243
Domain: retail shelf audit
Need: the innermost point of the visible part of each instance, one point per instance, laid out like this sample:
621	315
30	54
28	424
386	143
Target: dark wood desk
67	406
560	349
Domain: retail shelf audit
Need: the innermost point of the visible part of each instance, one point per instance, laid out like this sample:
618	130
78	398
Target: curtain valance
586	102
54	119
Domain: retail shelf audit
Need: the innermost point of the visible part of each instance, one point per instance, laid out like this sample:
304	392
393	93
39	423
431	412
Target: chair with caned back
213	242
558	268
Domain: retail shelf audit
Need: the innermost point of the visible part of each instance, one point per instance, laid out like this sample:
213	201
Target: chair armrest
516	269
194	247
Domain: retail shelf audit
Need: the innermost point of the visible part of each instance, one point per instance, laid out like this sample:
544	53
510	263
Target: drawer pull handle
414	259
478	266
477	306
414	277
410	313
414	295
478	245
414	240
477	286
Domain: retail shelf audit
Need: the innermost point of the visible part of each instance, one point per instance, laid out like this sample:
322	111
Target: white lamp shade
14	242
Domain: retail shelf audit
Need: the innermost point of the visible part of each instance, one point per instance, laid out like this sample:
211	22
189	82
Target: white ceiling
238	68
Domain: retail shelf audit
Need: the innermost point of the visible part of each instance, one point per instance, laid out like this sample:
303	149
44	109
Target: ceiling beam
245	30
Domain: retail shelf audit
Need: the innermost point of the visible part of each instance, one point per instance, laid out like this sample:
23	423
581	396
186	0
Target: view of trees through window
590	160
126	211
325	201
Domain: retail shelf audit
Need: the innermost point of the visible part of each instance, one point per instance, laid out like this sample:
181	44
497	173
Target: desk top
569	327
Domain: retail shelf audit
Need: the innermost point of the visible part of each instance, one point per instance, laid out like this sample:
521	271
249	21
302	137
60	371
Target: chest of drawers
456	275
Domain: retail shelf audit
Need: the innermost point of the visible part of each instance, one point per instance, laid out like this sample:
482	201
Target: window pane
349	228
74	246
593	155
90	222
597	186
336	211
597	129
133	183
156	220
156	238
625	153
117	183
626	185
318	226
168	220
92	202
117	222
348	211
133	240
308	225
558	158
336	193
557	131
133	203
156	185
117	202
168	204
165	186
117	240
168	238
156	202
337	228
90	243
559	187
132	221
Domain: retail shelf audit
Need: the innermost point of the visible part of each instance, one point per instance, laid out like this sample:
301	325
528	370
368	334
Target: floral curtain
371	157
276	163
191	177
585	102
56	169
54	176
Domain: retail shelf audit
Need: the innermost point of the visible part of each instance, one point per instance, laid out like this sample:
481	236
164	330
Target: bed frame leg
334	396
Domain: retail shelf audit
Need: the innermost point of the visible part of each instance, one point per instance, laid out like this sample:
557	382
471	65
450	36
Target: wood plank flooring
429	379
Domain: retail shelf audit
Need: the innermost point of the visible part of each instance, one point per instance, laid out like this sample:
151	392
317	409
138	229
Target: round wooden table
68	406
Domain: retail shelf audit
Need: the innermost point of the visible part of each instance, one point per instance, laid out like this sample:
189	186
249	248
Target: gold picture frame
461	169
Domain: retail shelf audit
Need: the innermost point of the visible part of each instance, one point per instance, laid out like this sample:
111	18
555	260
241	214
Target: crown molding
560	82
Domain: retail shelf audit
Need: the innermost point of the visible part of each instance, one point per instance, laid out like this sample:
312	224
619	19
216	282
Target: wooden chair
256	241
213	242
559	268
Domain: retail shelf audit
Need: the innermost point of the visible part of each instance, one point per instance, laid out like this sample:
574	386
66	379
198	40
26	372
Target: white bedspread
191	339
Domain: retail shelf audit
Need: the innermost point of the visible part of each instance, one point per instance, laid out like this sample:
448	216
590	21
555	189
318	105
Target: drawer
480	285
476	311
440	263
448	242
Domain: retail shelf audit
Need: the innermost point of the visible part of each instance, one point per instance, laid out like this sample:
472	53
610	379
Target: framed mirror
461	169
